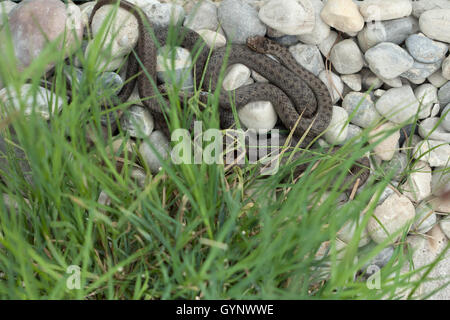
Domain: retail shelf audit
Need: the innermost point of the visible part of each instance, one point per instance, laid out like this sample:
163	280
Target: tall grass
192	230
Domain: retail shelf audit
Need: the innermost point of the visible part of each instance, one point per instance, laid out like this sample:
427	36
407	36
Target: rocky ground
397	49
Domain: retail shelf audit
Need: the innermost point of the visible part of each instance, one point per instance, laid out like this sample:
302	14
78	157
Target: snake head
258	44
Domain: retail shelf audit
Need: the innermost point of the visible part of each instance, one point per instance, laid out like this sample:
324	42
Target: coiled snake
293	90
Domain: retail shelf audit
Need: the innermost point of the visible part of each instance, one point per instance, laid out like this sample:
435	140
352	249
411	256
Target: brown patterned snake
287	89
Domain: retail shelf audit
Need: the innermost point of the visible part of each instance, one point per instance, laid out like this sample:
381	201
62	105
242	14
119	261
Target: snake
293	91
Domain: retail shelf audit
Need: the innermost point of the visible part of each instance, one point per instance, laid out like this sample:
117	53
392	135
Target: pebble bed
397	48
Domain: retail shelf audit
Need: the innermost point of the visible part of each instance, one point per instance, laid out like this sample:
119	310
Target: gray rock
424	49
137	121
239	21
437	80
426	94
163	14
420	6
202	16
309	57
161	147
346	57
388	60
425	218
398	164
446	68
446	117
326	45
336	132
361	109
353	81
292	17
320	31
381	259
353	132
334	84
370	80
444	94
436	153
436	24
395	31
431	129
398	104
420	71
385	9
440	181
287	40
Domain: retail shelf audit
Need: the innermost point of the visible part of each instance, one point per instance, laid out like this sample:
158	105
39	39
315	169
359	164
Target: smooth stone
395	31
425	251
353	81
258	115
394	214
410	143
32	28
346	57
370	80
440	181
320	31
328	43
426	94
397	164
334	84
398	104
365	115
139	176
39	100
420	6
292	17
431	129
392	83
379	92
202	16
343	15
272	33
446	118
379	10
161	14
389	144
181	62
424	49
418	185
435	24
444	94
425	218
309	57
436	153
86	10
137	121
336	132
239	21
353	132
287	40
236	76
420	71
381	259
119	39
258	78
348	232
213	39
5	8
444	224
388	60
446	68
440	205
160	143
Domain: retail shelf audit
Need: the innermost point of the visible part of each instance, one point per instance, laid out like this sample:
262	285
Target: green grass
192	231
